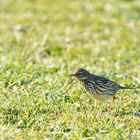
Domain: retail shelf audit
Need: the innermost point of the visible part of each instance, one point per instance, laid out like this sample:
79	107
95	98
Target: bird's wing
109	86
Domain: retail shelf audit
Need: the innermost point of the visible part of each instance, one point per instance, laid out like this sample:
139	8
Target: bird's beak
72	75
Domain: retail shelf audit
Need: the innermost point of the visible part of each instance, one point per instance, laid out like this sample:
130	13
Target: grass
41	42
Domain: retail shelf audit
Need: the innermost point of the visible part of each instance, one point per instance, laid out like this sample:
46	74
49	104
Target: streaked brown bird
99	87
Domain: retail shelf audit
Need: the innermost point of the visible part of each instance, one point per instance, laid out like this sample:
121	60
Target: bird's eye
79	73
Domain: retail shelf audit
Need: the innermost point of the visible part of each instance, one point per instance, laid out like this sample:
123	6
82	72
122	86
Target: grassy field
41	42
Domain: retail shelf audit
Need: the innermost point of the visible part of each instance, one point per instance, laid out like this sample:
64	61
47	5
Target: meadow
41	42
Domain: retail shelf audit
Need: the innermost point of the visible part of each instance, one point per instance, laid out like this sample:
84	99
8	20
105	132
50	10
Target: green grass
41	42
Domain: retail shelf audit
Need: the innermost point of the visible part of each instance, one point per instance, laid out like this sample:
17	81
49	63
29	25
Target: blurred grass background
41	42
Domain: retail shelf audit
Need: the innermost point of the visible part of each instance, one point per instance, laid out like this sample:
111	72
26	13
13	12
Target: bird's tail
128	88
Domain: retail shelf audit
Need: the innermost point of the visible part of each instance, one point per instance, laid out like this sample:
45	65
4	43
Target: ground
41	42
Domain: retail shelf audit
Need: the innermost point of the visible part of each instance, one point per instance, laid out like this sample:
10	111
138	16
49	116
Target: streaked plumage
99	87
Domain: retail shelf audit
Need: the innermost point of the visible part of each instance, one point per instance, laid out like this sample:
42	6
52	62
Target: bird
101	88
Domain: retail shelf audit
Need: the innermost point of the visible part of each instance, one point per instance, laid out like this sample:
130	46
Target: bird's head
81	74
